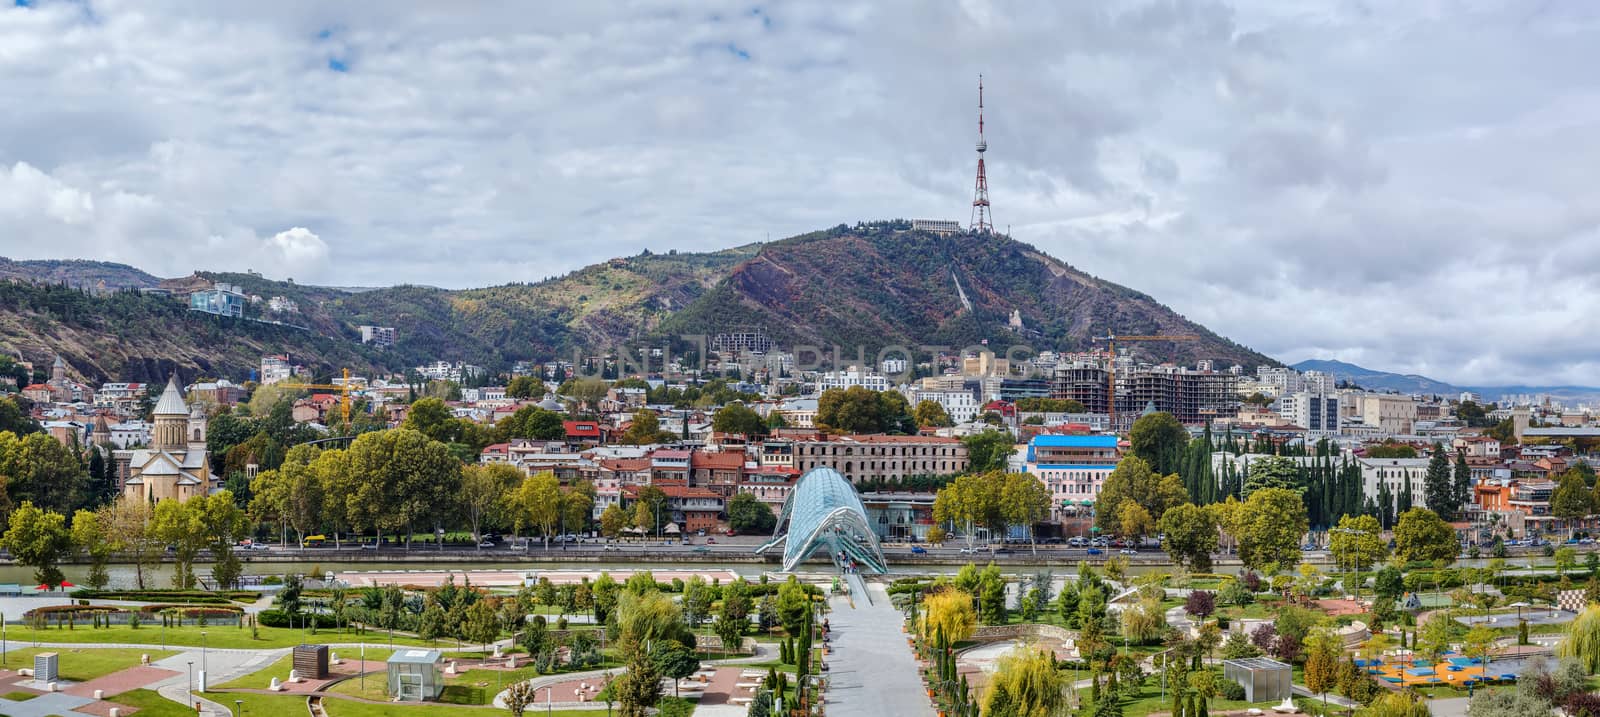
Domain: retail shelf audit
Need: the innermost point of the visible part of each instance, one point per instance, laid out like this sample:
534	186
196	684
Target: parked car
918	550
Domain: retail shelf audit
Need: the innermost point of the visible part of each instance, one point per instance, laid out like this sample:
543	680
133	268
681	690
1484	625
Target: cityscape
460	411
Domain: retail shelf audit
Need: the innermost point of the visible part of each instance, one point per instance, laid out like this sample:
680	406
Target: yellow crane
1111	364
343	389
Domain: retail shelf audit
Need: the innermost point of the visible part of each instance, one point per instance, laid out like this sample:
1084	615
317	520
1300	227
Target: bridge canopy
824	512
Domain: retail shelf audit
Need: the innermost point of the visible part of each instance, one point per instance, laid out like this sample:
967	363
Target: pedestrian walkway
872	671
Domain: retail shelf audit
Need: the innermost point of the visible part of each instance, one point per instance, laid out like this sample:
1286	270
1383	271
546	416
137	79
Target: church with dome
175	464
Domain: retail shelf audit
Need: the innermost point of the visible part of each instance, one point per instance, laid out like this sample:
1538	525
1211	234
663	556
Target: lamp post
189	687
238	707
202	652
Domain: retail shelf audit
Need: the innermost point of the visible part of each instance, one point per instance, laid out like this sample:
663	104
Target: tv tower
982	222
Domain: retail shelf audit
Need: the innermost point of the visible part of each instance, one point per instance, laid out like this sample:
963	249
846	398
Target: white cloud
1410	188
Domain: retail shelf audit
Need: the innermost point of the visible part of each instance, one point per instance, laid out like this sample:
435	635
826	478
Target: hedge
279	618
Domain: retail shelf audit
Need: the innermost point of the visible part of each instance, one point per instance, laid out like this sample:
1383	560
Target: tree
222	524
39	539
1391	448
1463	479
748	514
931	414
734	614
393	480
948	612
1144	622
971	501
1357	543
131	534
521	695
482	625
1200	603
1191	536
1581	639
674	660
639	688
524	387
1571	499
988	450
1026	683
1270	523
531	422
577	506
1024	501
1439	488
1433	639
42	471
179	525
537	503
1421	535
645	429
612	521
738	418
586	391
853	410
1566	557
1133	480
484	488
1159	439
1133	520
1272	472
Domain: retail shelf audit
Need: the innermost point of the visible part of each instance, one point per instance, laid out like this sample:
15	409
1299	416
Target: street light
238	707
190	687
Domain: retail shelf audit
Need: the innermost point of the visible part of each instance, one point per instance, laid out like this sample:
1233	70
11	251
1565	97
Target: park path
872	671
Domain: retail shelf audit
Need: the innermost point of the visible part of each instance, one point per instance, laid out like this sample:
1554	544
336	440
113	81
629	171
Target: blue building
1072	468
221	299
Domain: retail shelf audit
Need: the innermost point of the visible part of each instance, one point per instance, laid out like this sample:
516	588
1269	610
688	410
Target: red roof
497	448
720	460
581	429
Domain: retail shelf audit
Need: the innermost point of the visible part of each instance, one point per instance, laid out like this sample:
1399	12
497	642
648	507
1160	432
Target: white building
277	368
282	304
129	434
1317	412
1394	472
852	377
961	406
377	335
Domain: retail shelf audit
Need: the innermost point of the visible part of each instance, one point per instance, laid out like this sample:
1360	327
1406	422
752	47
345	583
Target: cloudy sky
1410	186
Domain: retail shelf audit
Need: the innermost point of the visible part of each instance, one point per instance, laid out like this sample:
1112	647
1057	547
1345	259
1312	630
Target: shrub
1232	690
279	618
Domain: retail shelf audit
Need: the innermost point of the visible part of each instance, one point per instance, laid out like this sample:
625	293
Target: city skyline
1258	167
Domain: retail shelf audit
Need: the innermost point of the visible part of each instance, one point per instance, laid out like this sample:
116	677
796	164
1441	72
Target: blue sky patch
338	65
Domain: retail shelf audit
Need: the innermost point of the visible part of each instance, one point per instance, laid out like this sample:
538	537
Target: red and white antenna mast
982	222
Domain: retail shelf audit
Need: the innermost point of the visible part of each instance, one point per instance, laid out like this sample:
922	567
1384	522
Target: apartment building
879	457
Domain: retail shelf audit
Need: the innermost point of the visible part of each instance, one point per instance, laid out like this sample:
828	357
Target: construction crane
343	389
1111	365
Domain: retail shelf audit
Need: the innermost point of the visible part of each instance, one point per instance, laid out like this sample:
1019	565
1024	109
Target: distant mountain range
857	288
1411	383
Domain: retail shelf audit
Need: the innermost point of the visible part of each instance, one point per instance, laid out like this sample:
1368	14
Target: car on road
1128	551
1002	551
702	550
260	546
486	544
1095	551
711	541
369	546
918	550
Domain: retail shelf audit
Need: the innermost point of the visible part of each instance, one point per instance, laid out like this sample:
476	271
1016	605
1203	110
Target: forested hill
866	286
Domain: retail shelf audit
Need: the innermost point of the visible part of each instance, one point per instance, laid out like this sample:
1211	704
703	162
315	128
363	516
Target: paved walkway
872	672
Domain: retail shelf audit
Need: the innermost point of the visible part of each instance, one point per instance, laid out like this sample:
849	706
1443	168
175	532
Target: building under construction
1191	396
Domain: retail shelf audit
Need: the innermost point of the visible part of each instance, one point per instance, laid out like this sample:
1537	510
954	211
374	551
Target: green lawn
189	636
470	687
351	708
18	696
86	664
1149	700
263	678
151	704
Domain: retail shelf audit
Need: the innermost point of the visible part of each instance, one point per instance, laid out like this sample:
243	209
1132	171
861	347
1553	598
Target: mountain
1411	383
1378	380
81	273
858	288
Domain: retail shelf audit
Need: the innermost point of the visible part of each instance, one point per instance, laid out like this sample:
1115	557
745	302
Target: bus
314	541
